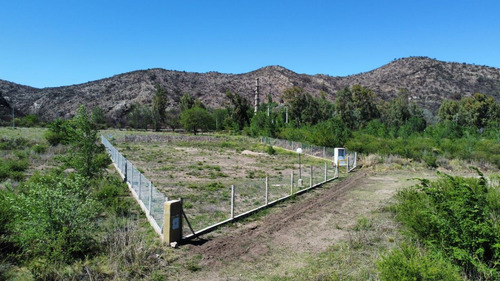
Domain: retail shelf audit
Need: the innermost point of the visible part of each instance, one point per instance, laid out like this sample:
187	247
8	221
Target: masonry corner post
172	221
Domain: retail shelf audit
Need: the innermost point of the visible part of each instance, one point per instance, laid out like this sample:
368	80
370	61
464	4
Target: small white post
125	172
347	164
140	185
355	158
132	176
232	201
311	177
150	197
267	190
326	171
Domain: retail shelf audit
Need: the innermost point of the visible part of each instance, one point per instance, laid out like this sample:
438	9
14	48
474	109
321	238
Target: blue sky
54	43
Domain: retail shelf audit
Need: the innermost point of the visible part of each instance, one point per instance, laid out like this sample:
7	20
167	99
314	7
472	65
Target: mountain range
427	82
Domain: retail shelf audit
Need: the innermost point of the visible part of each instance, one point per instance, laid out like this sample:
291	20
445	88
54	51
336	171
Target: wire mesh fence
209	204
309	149
149	197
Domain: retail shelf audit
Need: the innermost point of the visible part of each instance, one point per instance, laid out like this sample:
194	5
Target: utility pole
257	98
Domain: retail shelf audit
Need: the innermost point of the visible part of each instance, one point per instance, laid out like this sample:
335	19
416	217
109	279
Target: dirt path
280	240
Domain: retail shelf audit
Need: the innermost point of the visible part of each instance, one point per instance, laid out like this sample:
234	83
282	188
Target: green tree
304	108
196	118
160	104
140	116
172	119
186	102
98	117
220	117
344	107
365	105
239	111
89	158
331	133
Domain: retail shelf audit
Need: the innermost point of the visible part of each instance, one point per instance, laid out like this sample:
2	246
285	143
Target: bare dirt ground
284	239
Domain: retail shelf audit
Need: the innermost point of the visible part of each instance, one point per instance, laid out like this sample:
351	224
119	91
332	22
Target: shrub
270	150
53	218
13	169
457	216
410	263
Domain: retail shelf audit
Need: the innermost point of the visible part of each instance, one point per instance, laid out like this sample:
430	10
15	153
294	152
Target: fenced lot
202	169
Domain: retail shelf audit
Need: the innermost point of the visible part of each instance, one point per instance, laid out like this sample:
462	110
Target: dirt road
281	240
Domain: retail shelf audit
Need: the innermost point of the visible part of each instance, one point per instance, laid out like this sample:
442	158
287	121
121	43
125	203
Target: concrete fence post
132	176
337	170
326	171
311	177
150	197
355	159
324	152
232	201
291	184
125	172
140	186
347	164
267	190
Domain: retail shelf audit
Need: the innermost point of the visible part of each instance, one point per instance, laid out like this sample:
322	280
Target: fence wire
248	194
146	192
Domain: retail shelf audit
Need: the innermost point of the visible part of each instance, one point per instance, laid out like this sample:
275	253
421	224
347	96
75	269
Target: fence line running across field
269	190
311	150
148	196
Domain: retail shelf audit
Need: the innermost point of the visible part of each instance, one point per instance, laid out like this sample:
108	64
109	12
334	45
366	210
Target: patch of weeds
363	223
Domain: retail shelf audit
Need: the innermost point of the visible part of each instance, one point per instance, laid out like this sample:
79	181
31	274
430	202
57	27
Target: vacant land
202	169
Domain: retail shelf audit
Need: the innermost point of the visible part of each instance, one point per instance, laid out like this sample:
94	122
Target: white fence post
326	171
267	190
347	165
311	177
140	186
232	201
150	197
291	184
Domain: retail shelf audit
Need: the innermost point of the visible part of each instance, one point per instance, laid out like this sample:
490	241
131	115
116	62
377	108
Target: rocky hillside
427	81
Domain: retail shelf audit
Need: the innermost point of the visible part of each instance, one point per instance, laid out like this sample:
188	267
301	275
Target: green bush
39	148
111	195
270	150
53	218
459	217
13	169
11	144
410	263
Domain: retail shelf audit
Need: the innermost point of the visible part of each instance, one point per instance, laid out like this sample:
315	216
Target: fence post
132	176
355	158
267	190
291	184
125	172
347	164
311	177
140	185
232	201
337	169
150	197
326	171
324	152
